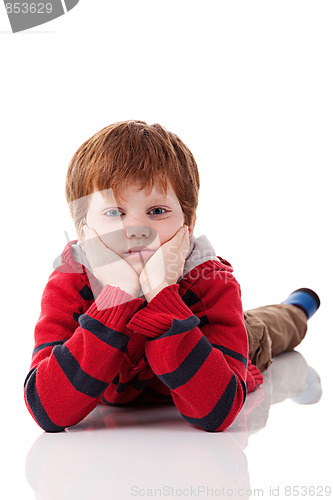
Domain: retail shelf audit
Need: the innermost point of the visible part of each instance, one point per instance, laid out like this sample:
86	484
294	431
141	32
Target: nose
137	232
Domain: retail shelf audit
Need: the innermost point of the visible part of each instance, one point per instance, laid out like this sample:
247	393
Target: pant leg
273	329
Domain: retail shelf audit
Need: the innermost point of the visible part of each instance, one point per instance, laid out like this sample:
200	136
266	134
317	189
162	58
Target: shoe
305	299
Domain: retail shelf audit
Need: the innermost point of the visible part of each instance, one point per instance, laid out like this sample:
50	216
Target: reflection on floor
152	451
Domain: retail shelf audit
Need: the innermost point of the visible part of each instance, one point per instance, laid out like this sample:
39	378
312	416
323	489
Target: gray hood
200	251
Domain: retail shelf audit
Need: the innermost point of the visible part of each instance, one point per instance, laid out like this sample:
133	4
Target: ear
191	227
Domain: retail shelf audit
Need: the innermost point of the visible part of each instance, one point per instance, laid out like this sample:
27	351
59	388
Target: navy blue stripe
190	298
220	411
76	316
37	408
157	395
244	388
203	321
27	377
79	379
189	367
48	344
86	293
125	403
179	326
135	382
147	390
108	335
232	354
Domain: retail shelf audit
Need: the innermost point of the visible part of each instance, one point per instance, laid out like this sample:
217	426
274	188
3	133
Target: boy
139	310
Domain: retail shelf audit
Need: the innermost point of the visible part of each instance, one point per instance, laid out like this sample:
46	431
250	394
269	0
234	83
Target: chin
137	264
137	267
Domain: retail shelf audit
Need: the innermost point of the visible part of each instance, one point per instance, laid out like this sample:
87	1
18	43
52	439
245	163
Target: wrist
131	291
134	293
124	288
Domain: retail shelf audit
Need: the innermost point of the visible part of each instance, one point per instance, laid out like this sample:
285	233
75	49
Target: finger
90	238
184	235
185	248
154	269
89	233
175	239
98	254
185	244
87	230
92	235
179	234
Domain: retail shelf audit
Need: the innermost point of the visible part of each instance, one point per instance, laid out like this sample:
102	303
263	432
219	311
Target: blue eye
160	210
114	212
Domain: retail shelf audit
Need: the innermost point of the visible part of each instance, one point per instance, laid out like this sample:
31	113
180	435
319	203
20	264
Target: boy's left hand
155	277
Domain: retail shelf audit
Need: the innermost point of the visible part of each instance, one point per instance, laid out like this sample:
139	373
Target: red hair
131	151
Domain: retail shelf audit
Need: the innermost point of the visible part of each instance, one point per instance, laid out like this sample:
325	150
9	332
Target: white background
247	85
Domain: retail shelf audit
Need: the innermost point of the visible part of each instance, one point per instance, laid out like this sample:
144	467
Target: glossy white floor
280	440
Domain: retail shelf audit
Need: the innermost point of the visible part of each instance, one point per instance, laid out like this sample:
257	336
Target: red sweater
187	345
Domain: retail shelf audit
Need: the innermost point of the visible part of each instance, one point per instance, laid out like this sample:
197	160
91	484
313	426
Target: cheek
167	231
91	220
101	225
112	235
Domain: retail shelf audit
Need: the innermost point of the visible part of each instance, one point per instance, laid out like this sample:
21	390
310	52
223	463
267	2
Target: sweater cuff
113	307
157	316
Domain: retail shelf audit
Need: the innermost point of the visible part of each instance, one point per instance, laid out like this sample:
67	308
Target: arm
204	365
79	345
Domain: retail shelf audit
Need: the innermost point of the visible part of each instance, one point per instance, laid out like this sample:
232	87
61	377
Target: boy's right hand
107	265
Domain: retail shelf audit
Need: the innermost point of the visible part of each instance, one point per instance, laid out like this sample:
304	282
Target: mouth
139	250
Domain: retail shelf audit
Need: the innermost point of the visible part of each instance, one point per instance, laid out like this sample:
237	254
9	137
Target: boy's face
141	220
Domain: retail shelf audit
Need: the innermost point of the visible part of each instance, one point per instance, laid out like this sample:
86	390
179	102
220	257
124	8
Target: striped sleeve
203	361
76	354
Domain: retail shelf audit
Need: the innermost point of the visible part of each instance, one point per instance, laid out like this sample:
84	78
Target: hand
108	267
166	264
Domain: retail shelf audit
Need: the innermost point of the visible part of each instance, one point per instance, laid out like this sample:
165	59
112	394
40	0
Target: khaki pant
272	330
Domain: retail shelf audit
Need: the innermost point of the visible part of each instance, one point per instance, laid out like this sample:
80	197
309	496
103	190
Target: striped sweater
96	344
